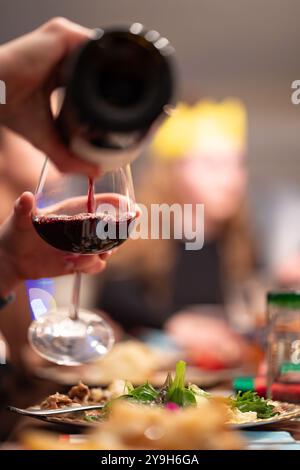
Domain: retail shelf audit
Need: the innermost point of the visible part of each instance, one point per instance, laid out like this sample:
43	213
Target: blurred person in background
198	156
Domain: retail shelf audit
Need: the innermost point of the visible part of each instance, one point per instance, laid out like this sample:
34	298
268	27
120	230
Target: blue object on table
267	440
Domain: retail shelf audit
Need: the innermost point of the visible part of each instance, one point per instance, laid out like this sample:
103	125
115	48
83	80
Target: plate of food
129	360
243	410
133	426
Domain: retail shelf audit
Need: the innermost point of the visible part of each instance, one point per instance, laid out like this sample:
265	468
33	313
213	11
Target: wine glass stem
75	297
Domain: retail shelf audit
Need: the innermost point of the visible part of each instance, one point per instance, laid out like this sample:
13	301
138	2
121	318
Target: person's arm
31	68
24	255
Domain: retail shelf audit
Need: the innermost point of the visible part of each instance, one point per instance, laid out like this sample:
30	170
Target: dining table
284	435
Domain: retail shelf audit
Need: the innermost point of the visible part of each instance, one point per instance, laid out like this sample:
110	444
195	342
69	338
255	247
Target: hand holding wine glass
23	253
86	219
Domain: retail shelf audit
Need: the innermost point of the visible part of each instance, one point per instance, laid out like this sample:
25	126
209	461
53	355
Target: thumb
22	211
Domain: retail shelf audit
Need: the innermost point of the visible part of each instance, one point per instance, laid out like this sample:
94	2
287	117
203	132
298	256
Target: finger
71	263
98	268
85	263
69	268
58	37
48	141
22	211
106	255
72	33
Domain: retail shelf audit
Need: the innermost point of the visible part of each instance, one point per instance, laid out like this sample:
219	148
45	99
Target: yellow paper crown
208	126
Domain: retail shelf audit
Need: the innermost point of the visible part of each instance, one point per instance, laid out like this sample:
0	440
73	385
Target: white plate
292	412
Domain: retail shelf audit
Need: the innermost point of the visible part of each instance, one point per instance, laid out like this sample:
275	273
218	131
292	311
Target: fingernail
96	33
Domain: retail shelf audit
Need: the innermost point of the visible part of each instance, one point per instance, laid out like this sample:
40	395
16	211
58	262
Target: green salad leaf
143	393
92	418
250	401
177	391
173	390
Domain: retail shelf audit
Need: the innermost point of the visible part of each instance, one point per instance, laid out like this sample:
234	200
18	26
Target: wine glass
79	215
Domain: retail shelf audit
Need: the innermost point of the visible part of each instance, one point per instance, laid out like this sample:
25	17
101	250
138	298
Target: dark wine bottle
118	87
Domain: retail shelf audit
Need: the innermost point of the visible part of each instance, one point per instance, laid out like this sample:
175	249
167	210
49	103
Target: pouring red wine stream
91	196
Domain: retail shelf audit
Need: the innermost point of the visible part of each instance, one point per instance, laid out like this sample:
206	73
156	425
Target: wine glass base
62	340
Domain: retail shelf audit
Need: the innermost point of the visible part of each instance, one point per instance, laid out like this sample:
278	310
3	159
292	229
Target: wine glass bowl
88	218
69	227
59	339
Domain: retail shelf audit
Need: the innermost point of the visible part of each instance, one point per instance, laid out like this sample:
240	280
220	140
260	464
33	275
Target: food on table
53	402
81	394
173	395
253	405
128	360
134	426
248	406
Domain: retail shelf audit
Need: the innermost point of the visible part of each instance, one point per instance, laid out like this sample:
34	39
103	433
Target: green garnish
92	418
250	401
177	392
173	390
143	393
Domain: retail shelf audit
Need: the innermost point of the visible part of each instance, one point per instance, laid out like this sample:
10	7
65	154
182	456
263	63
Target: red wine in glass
84	233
